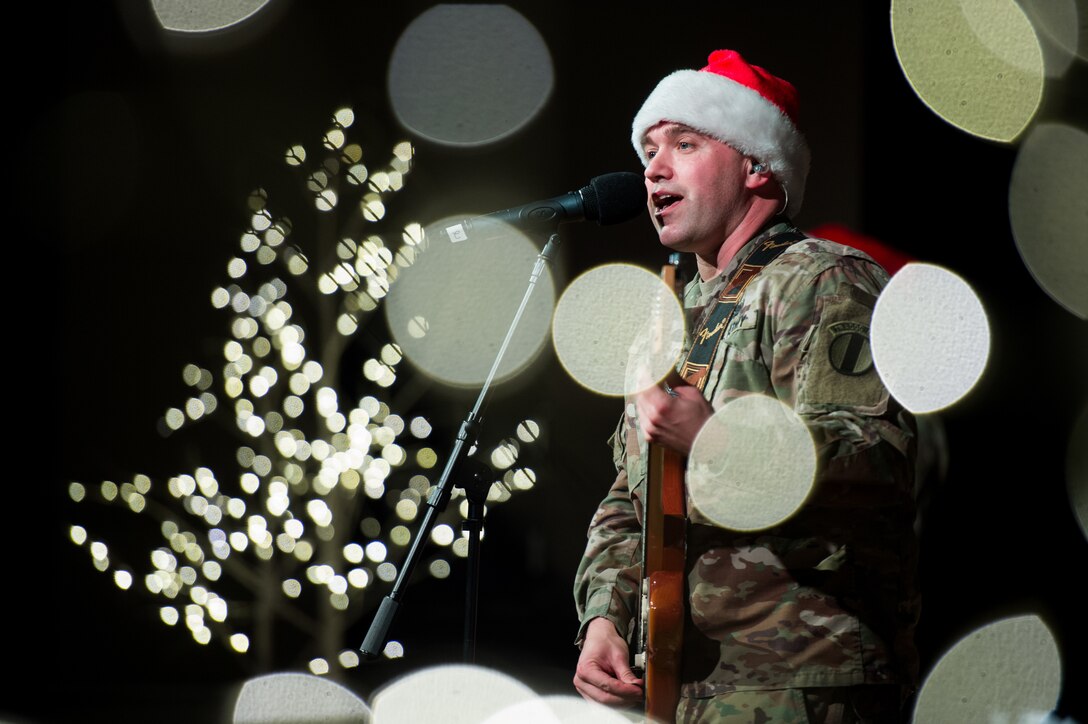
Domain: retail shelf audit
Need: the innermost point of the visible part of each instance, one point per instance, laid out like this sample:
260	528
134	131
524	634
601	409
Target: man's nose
658	167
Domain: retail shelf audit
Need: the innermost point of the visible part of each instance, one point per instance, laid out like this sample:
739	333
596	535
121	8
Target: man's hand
603	674
673	420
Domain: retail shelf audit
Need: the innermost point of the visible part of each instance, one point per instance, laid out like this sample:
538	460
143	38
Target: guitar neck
663	549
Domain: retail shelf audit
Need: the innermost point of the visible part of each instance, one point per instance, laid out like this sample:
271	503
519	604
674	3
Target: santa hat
885	255
739	104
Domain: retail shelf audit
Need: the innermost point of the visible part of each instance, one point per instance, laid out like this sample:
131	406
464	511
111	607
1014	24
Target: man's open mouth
664	201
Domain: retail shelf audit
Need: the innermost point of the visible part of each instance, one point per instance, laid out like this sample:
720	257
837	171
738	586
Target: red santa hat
739	104
885	255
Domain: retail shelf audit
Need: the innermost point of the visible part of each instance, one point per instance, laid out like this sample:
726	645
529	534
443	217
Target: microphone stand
475	478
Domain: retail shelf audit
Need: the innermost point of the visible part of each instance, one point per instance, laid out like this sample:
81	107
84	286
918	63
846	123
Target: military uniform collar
775	225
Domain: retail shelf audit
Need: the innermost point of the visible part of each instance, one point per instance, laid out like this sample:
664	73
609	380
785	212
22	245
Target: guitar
661	614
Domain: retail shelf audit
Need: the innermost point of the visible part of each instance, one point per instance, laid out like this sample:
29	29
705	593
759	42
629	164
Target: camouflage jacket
828	597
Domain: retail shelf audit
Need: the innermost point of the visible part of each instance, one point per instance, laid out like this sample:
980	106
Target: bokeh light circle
558	709
1057	24
930	337
296	698
466	75
455	694
450	310
976	63
729	481
1048	212
618	329
203	16
1007	671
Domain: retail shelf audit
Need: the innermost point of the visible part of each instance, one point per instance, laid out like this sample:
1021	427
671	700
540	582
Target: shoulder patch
848	351
838	365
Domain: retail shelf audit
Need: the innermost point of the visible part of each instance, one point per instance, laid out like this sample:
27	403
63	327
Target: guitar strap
715	317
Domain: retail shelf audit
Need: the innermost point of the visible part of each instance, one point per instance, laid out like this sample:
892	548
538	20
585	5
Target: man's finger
653	395
607	690
602	679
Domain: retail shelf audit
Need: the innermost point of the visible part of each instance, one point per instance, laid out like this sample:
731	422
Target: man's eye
651	154
684	145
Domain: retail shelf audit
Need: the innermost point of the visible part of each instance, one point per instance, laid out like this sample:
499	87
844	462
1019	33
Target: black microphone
608	199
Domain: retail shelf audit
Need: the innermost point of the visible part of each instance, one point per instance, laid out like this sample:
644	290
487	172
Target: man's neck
741	235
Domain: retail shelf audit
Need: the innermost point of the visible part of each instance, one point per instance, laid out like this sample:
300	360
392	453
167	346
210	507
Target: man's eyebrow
672	130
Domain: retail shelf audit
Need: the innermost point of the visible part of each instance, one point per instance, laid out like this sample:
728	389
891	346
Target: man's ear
759	174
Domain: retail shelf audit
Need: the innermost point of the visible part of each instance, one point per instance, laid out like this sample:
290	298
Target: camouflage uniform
826	598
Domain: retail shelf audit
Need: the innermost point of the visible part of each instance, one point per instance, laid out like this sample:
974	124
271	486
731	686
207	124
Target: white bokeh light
729	481
977	64
930	337
618	329
465	75
203	16
455	694
1057	25
296	698
558	709
1048	212
468	307
1008	671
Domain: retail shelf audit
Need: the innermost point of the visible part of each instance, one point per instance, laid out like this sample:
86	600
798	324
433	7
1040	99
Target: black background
123	229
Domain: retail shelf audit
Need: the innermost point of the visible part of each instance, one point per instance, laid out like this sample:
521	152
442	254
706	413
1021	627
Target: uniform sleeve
607	582
822	366
866	442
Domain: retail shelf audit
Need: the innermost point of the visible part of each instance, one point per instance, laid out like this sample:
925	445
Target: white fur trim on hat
734	114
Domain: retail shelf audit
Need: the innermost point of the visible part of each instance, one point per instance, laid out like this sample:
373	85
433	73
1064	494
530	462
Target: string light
309	460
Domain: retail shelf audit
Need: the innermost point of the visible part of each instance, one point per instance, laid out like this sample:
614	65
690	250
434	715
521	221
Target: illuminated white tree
308	523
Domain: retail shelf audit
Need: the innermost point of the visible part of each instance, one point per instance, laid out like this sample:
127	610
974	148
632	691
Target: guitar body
662	613
664	583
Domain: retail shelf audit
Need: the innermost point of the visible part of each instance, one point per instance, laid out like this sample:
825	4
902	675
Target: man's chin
671	241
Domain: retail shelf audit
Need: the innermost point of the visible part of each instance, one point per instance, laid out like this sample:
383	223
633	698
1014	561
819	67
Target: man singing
810	620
